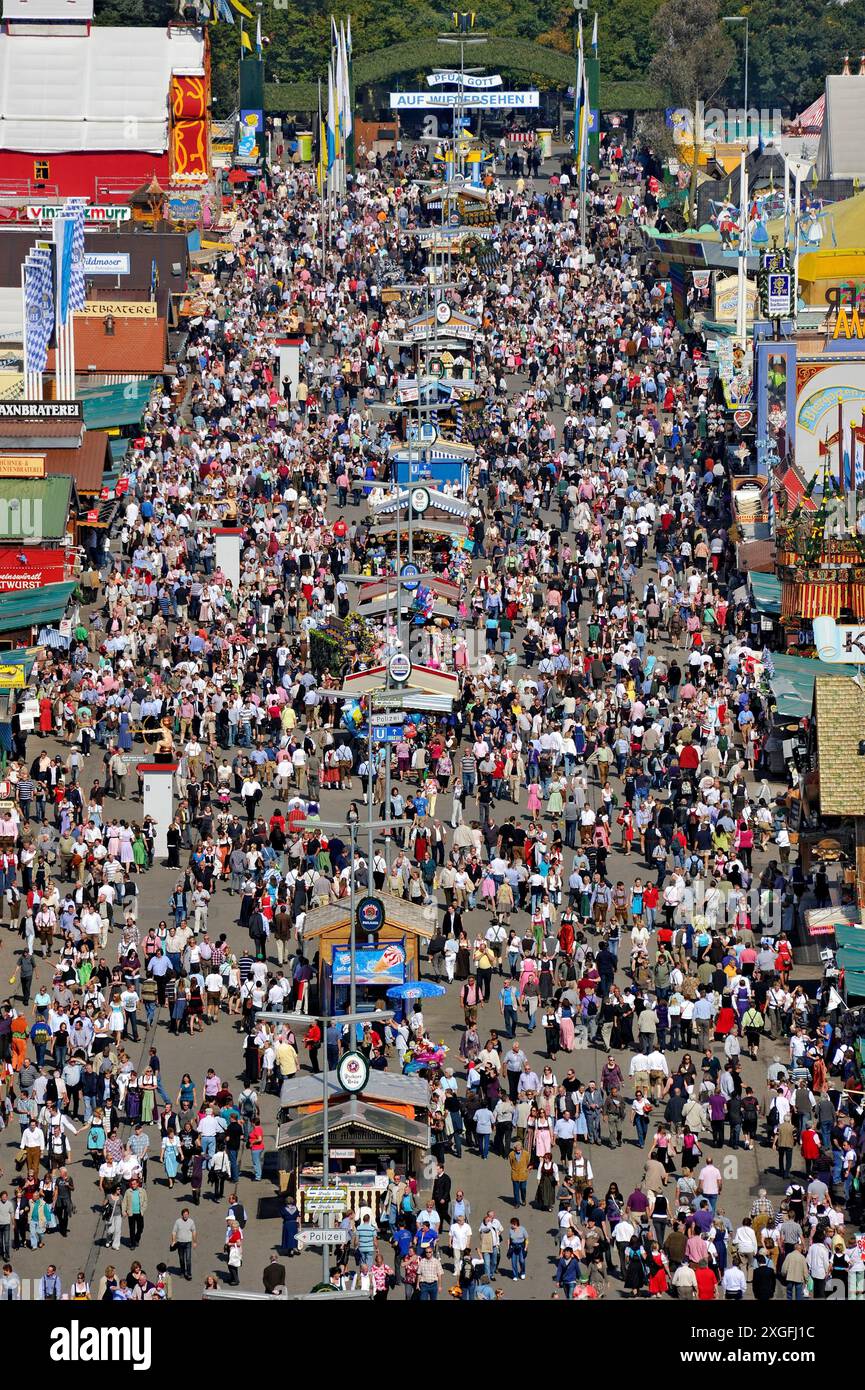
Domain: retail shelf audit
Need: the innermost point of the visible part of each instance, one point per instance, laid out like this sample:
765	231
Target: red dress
658	1280
725	1022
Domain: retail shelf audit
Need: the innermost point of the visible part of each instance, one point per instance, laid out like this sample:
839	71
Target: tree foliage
792	46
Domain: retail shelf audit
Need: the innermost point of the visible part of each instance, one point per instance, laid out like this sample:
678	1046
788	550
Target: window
41	170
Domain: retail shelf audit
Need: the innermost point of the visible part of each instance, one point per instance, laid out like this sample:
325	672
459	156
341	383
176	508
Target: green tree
693	57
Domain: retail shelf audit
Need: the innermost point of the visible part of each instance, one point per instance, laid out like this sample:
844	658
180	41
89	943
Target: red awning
238	176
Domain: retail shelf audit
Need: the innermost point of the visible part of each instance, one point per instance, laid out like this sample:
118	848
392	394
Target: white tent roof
65	10
105	92
841	153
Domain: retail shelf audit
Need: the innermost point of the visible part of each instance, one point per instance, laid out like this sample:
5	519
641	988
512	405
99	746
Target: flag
245	40
39	307
345	90
64	248
241	9
76	207
258	35
332	130
223	11
579	86
154	278
334	37
348	37
595	38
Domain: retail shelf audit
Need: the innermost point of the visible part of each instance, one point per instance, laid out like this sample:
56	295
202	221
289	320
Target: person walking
184	1239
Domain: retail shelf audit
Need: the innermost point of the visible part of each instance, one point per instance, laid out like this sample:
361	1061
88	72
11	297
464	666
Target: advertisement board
30	568
376	965
776	400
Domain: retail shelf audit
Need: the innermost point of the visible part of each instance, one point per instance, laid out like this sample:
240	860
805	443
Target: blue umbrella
416	989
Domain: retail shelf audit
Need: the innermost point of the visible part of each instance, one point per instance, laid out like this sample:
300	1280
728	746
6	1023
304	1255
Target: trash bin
545	140
304	145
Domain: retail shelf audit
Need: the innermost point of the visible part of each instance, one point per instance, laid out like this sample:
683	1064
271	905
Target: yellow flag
241	9
245	41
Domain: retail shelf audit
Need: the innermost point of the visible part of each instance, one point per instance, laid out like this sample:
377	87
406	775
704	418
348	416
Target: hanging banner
30	568
432	101
445	79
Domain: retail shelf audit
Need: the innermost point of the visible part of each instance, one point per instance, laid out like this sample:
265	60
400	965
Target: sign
376	965
420	501
386	733
352	1072
30	568
12	677
98	212
443	311
324	1199
369	914
343	1153
425	433
409	570
399	667
465	79
779	294
743	418
106	262
379	720
119	309
22	465
485	101
40	410
184	209
701	279
314	1237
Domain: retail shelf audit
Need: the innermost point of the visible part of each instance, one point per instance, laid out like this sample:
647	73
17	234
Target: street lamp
741	19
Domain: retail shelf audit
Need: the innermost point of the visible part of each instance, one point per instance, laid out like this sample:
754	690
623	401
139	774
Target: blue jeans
518	1260
483	1145
234	1160
510	1020
257	1156
208	1148
642	1125
519	1193
428	1293
795	1292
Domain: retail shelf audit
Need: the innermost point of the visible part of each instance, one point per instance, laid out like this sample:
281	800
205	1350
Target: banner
432	101
189	98
31	568
444	79
189	151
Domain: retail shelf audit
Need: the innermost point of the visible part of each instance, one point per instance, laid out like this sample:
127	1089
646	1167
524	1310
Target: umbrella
416	989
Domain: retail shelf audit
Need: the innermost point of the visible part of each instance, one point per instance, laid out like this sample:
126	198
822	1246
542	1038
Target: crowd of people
613	876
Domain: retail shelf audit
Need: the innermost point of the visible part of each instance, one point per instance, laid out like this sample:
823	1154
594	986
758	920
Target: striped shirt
429	1270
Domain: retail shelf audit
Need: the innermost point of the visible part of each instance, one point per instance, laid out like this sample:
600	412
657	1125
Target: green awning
792	685
34	607
765	592
851	938
112	407
34	509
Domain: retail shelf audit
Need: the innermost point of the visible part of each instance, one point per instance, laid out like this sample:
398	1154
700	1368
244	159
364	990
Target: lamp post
742	19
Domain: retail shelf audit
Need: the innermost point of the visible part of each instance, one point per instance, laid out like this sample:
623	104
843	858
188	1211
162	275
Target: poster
735	368
376	965
776	401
